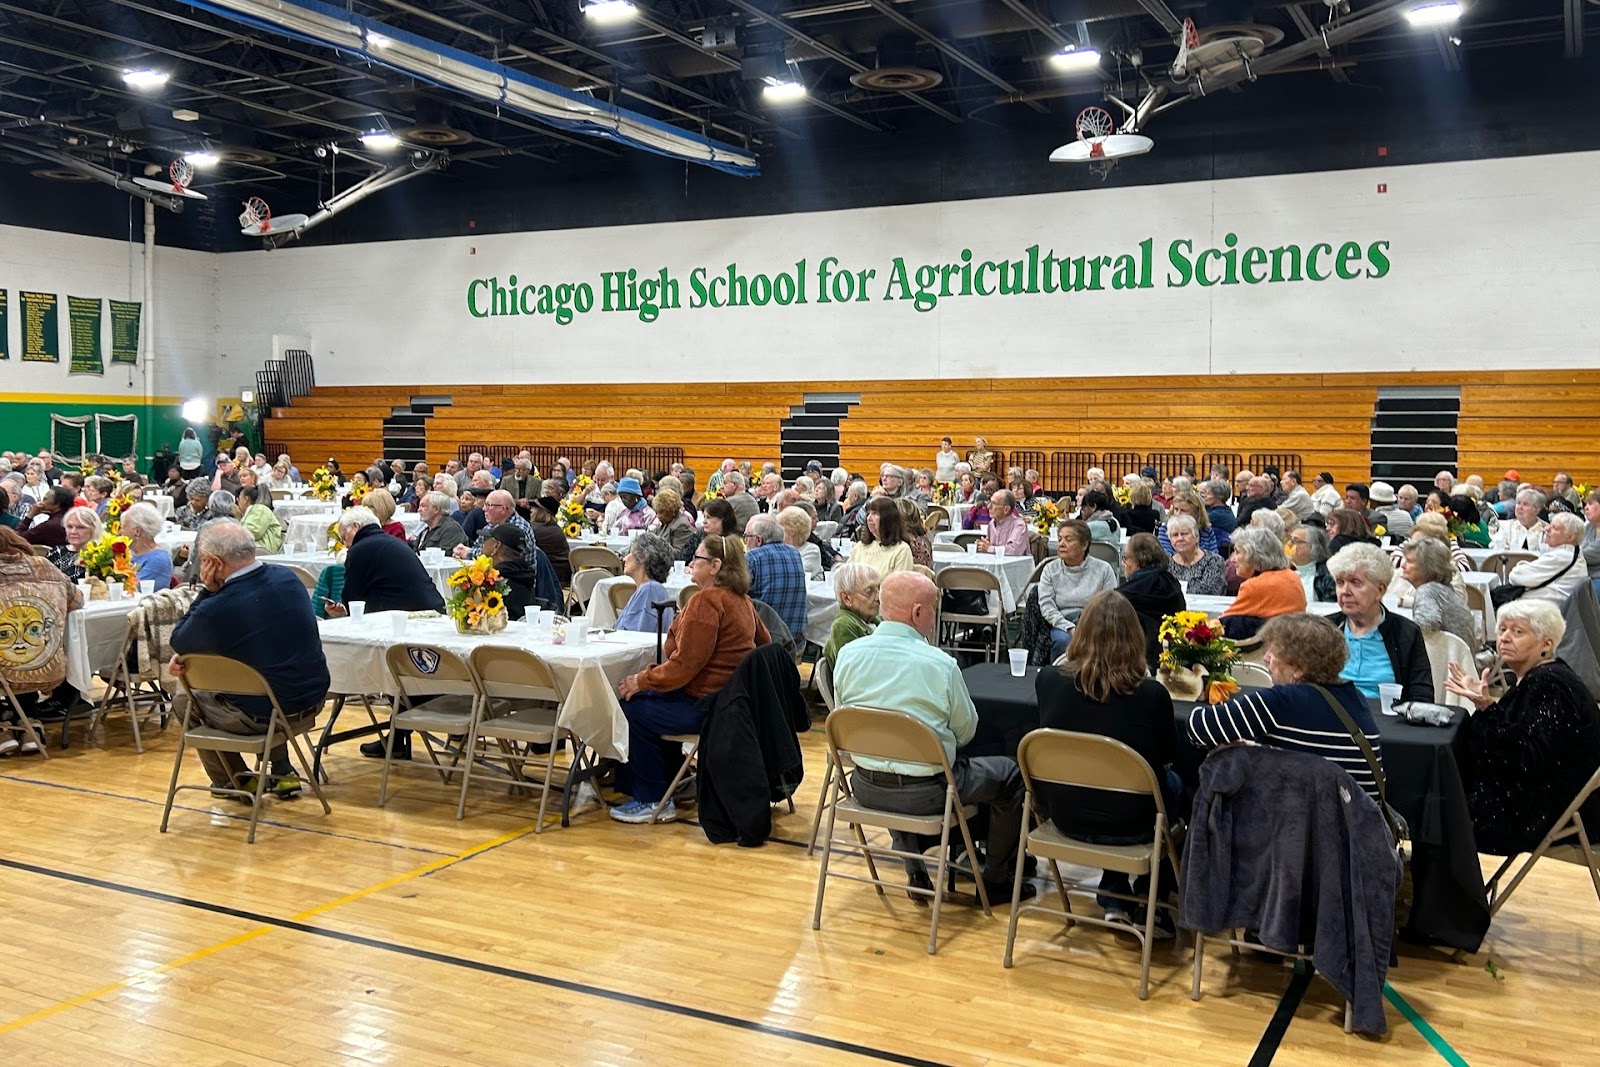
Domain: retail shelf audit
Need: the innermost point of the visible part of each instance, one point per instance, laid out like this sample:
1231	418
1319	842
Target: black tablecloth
1450	907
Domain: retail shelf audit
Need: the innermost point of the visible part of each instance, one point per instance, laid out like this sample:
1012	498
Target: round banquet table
822	605
1450	905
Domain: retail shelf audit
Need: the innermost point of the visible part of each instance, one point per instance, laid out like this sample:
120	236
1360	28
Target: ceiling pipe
1088	90
472	75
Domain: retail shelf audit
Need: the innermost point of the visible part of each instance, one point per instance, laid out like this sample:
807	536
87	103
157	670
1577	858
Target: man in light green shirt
895	668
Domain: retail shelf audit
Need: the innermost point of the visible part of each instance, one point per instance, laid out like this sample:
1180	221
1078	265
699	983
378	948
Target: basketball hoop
1191	36
182	173
257	216
1098	143
1094	125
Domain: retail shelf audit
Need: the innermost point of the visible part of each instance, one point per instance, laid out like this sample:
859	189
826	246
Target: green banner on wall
124	331
5	328
83	316
41	329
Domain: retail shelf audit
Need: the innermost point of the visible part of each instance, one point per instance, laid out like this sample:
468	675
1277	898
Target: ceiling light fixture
783	91
1076	59
1441	14
185	114
145	79
203	158
608	11
380	140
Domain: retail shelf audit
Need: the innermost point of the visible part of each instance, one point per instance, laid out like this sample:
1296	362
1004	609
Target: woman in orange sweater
708	638
1271	586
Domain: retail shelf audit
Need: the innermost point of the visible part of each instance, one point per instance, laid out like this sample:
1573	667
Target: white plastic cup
114	590
357	608
972	548
1019	662
999	552
679	568
578	630
1183	584
397	622
534	617
147	586
1388	697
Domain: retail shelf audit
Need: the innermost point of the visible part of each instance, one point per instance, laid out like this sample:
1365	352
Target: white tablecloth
822	605
619	545
1013	572
162	503
172	537
314	563
293	509
587	674
94	636
313	526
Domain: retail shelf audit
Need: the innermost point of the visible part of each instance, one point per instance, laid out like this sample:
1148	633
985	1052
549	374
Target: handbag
1398	829
1501	595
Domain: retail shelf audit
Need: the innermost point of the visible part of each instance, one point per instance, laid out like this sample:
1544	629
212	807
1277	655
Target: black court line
1279	1024
531	977
224	815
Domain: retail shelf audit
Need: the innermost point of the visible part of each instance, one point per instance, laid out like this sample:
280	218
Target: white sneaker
1118	915
8	746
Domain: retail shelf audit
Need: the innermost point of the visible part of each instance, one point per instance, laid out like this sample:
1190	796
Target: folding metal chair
1568	841
522	684
968	537
691	748
1090	761
1107	551
597	557
935	519
891	735
123	683
1500	563
442	677
219	674
619	593
822	674
686	594
951	623
583	583
1246	672
27	725
1445	648
307	579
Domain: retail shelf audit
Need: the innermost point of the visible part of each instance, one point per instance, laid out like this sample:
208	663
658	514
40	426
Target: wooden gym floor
403	936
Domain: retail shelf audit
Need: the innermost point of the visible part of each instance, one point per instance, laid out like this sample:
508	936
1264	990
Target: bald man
897	669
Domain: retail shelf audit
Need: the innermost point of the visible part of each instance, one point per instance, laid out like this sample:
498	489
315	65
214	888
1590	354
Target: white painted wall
185	313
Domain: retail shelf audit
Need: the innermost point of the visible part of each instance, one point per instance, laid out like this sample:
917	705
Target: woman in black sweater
1104	689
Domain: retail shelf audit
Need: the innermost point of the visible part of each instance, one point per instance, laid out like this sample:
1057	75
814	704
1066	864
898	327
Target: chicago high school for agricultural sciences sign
826	280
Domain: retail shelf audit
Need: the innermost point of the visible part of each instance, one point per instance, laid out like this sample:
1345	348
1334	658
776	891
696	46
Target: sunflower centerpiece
106	562
1046	514
1196	657
323	484
574	520
944	493
114	509
478	598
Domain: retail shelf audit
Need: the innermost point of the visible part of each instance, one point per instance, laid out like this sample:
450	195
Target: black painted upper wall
1528	101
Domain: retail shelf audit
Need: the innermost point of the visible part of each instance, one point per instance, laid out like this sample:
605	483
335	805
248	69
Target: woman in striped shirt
1303	652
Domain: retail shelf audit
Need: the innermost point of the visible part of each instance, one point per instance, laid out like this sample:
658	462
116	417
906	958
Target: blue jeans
646	774
1059	640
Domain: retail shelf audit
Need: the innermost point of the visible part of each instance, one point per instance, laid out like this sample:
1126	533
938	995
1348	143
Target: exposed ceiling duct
463	72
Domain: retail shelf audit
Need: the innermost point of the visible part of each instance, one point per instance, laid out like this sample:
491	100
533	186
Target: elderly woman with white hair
1189	562
796	526
648	563
855	500
1307	548
1558	572
856	585
1526	531
1269	585
1384	646
152	563
82	526
1426	587
1528	753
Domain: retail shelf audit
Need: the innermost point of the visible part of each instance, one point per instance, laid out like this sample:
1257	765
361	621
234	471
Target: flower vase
486	624
98	590
1184	683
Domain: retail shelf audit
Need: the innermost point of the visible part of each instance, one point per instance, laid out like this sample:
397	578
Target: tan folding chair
1500	563
1090	761
1445	648
598	557
891	735
27	725
453	706
691	748
583	583
822	674
521	706
686	594
1248	672
936	518
219	674
307	579
1107	551
141	691
280	494
967	537
619	593
951	623
41	550
1478	603
926	572
1568	841
949	547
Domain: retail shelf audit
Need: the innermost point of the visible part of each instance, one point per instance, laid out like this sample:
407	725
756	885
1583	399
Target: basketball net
1191	36
182	173
256	215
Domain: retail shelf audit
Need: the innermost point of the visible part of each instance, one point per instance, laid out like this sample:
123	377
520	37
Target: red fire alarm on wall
1383	150
1383	187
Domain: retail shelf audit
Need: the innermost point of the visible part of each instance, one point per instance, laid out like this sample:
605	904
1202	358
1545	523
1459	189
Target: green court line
1440	1045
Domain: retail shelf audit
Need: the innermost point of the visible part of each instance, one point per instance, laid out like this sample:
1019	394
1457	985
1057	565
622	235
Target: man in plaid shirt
777	577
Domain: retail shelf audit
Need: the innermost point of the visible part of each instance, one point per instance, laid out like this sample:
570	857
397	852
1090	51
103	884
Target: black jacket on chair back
749	751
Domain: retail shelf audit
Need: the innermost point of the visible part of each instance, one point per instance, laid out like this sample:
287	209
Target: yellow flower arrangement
87	467
944	492
323	484
111	560
1192	642
1045	516
1123	495
358	490
478	598
581	487
573	518
114	509
1379	530
335	542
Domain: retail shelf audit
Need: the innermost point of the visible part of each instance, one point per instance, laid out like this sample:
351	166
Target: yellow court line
251	935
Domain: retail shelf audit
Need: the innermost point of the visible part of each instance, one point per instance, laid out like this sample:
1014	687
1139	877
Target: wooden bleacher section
1536	421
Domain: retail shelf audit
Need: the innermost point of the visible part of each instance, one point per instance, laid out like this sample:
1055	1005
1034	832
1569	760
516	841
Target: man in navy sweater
381	570
261	616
